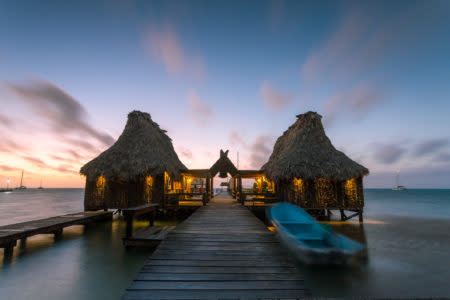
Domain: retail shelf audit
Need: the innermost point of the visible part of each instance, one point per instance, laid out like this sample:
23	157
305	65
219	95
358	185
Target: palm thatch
142	149
304	151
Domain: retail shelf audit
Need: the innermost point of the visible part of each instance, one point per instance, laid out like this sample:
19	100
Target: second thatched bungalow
141	167
310	172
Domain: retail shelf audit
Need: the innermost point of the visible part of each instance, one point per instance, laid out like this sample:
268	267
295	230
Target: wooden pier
222	251
9	234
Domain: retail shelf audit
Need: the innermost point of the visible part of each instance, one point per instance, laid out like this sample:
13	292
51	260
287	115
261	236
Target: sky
225	75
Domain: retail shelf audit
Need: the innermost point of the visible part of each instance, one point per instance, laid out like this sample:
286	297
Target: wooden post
343	216
212	187
208	187
360	215
58	233
152	217
9	248
239	188
204	198
158	190
129	229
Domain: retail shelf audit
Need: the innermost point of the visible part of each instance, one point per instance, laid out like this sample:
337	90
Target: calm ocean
407	234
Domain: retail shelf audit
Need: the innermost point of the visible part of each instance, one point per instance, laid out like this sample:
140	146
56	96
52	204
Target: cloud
274	99
7	145
276	10
200	112
65	168
427	176
352	60
356	102
430	146
388	154
185	152
36	161
348	35
260	149
165	47
235	138
8	168
443	157
5	121
64	113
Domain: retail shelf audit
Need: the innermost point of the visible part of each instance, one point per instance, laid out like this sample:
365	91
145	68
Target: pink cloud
200	112
235	138
165	47
274	99
185	152
355	102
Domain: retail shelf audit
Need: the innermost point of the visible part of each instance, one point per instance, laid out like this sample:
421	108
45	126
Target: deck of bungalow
222	251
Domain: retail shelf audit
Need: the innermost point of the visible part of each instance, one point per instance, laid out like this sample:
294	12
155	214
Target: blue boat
311	242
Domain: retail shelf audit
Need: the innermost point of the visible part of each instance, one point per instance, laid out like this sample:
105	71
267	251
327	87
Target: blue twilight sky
225	74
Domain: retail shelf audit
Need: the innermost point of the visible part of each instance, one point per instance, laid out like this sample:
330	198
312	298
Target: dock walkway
9	234
221	251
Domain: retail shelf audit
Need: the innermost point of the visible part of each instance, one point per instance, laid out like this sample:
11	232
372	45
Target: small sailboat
40	186
311	242
398	187
21	186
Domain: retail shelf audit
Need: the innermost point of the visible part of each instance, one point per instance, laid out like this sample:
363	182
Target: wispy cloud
342	43
430	146
6	168
260	149
276	10
235	138
273	98
389	153
356	102
443	157
185	152
200	112
63	112
165	47
5	121
351	58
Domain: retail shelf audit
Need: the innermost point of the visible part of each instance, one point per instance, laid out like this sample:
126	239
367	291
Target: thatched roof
304	151
142	149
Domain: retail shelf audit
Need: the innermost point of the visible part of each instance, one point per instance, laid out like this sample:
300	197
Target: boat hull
309	242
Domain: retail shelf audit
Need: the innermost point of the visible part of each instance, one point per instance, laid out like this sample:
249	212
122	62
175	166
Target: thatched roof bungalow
309	171
135	170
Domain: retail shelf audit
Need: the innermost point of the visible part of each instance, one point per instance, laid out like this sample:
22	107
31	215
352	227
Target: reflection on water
404	255
89	262
407	235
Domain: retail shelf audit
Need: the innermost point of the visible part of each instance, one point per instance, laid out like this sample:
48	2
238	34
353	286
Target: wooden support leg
152	217
129	229
361	216
9	248
343	216
58	233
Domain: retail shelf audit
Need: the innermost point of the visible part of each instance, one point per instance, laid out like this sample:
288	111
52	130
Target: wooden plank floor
9	234
222	251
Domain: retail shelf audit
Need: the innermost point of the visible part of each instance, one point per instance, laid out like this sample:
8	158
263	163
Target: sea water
407	234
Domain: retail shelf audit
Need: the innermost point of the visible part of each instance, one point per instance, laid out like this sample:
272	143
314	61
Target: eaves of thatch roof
142	149
304	151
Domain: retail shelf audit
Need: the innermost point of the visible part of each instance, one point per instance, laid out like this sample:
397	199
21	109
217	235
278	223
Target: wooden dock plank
220	251
214	294
9	234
